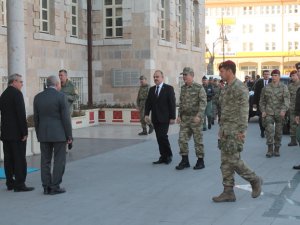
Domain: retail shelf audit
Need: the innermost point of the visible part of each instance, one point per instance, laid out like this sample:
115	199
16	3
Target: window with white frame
3	13
44	16
162	20
125	78
181	21
273	46
273	27
74	18
195	24
267	28
293	45
113	12
267	46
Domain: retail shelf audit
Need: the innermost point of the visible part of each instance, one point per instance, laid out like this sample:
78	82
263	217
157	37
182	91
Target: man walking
140	102
208	110
191	112
293	87
233	126
53	129
14	134
274	103
161	103
68	88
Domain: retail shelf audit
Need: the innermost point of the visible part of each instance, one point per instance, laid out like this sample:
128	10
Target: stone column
15	39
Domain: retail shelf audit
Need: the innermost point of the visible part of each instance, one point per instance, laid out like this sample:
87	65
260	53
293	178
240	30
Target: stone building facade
130	38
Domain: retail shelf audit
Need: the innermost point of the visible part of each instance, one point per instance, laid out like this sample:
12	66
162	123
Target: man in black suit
53	129
14	134
260	84
161	103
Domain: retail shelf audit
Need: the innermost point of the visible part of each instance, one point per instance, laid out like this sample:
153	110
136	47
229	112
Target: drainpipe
90	52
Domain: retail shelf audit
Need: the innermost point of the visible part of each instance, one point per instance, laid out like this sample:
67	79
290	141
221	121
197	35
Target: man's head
211	80
227	70
247	78
16	81
204	80
158	77
143	80
53	82
297	65
294	76
63	76
188	75
216	81
275	74
266	74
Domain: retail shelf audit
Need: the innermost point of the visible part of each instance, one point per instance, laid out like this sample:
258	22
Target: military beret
187	70
275	72
297	65
293	72
143	78
204	78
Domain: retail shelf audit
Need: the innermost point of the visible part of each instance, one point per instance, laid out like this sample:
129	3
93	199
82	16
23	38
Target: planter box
118	116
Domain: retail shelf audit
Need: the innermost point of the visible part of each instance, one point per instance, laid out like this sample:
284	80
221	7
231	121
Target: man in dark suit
161	103
14	134
53	129
260	84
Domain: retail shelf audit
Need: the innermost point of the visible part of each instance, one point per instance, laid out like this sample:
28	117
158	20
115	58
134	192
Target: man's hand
241	136
297	119
147	119
197	119
172	121
24	138
263	114
282	114
254	106
178	120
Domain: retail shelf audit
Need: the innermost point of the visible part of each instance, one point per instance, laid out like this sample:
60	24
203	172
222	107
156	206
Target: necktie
156	91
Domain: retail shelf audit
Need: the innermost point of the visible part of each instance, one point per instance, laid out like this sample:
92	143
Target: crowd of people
52	121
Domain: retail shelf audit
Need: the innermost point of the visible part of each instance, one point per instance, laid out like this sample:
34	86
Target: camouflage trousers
293	124
231	163
188	128
142	117
208	112
214	109
271	136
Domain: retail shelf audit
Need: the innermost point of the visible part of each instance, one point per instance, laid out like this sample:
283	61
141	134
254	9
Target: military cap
275	72
297	65
215	79
187	70
210	78
143	78
204	78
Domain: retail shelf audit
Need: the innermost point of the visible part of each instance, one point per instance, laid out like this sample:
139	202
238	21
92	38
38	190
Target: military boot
200	164
276	151
270	151
293	141
151	128
256	187
184	163
144	132
226	196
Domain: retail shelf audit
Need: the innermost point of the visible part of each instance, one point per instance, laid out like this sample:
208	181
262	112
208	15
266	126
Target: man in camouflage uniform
215	100
68	88
190	115
208	110
297	65
140	102
233	126
274	103
293	87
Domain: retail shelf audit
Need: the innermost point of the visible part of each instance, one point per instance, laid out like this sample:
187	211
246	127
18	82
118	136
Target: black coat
163	107
13	115
257	90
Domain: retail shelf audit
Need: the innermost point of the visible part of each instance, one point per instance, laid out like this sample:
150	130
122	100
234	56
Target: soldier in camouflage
140	102
208	110
68	88
293	87
190	117
274	103
233	126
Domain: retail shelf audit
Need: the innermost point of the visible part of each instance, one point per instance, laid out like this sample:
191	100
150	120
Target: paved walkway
110	181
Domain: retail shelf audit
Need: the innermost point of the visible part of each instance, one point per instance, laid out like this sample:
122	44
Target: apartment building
256	34
130	38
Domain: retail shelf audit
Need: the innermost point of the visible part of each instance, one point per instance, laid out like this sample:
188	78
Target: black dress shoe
10	188
168	160
296	167
47	190
57	191
23	189
159	161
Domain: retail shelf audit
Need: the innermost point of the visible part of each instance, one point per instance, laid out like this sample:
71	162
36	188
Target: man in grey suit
53	129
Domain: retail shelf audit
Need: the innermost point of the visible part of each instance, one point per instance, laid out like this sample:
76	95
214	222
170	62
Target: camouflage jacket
70	91
217	91
234	100
274	99
142	95
192	100
293	87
